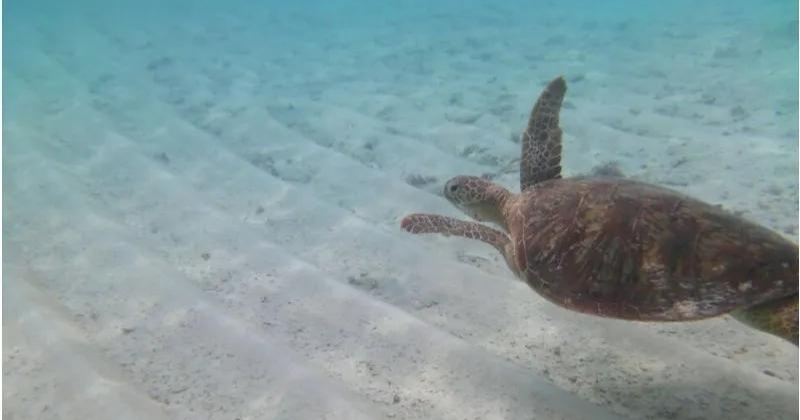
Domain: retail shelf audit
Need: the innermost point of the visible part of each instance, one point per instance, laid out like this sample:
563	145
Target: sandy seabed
201	208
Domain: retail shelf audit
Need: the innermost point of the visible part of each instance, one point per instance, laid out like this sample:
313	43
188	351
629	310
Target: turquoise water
202	204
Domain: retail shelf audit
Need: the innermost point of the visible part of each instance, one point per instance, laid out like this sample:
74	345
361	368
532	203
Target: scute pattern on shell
630	250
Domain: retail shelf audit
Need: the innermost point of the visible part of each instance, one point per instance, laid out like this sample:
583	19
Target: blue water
201	204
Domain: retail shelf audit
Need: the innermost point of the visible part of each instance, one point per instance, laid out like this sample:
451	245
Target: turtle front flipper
541	141
776	317
434	223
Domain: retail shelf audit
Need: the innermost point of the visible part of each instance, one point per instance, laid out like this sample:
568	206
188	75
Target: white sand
201	214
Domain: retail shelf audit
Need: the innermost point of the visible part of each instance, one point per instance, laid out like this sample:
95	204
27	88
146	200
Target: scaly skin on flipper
434	223
541	141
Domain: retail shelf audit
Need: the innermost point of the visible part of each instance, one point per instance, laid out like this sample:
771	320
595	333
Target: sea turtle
619	248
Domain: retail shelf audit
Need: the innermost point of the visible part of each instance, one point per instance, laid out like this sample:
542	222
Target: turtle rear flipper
541	141
776	317
434	223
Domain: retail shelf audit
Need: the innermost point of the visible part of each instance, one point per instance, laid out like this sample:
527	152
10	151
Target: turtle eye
453	188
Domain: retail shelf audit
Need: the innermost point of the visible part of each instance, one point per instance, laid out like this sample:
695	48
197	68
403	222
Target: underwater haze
202	201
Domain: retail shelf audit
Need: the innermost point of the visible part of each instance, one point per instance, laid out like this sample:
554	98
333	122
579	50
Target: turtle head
477	197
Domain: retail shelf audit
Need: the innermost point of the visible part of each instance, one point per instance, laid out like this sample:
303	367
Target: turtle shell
625	249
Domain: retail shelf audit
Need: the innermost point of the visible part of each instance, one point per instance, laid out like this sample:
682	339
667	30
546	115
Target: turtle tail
777	317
